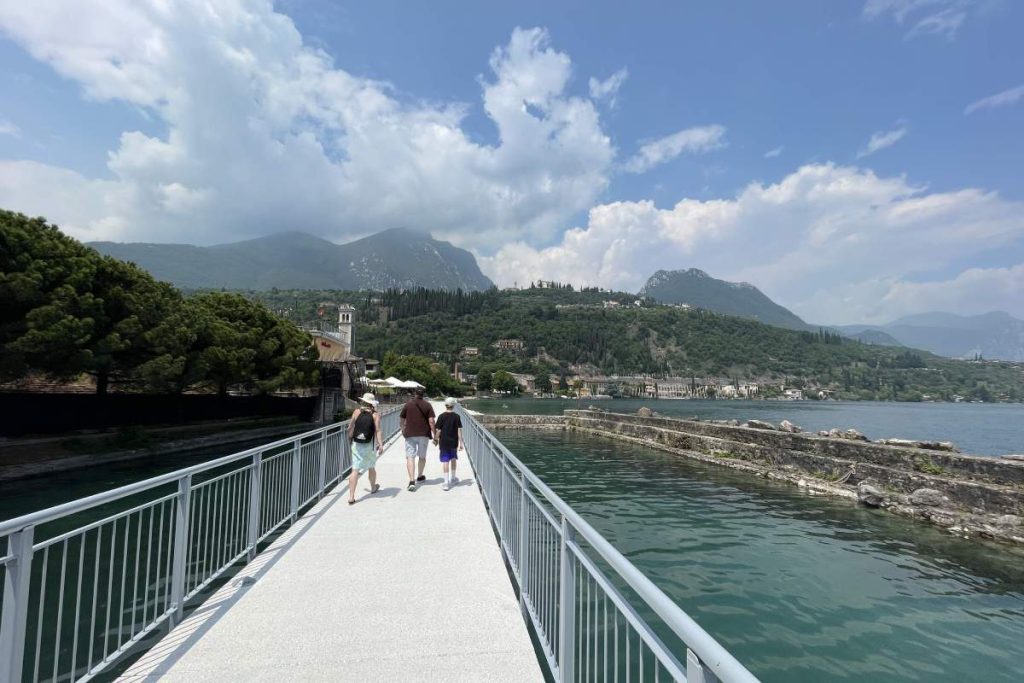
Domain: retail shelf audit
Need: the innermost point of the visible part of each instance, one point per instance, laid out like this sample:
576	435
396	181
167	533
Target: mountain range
696	288
994	336
404	258
296	260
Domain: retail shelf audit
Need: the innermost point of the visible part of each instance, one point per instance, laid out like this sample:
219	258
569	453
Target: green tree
69	310
484	380
543	383
504	381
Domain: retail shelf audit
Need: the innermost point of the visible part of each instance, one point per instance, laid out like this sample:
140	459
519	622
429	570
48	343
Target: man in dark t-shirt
417	421
448	435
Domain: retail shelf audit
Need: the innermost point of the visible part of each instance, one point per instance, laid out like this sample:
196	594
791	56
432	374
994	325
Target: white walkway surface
402	586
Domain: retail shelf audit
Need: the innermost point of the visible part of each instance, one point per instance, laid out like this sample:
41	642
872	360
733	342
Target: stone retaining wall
967	494
553	422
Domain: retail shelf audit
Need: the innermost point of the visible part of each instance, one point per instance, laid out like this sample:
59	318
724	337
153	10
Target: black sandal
376	487
351	502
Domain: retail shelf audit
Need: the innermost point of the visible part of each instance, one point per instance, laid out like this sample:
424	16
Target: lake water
980	428
800	588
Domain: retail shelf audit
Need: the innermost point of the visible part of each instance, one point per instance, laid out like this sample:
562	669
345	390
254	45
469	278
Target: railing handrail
710	651
15	524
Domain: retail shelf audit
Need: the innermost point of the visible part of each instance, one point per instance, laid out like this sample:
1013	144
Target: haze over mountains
995	335
297	260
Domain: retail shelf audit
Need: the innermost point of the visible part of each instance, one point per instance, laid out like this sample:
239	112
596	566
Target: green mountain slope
392	258
577	332
699	290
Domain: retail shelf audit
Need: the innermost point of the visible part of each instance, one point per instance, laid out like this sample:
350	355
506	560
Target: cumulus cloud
689	140
772	153
265	133
941	18
881	139
608	89
837	244
1000	99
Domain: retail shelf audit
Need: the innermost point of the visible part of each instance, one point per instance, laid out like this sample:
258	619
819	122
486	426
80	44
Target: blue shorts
449	454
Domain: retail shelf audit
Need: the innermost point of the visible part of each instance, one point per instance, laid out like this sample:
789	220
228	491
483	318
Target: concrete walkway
402	586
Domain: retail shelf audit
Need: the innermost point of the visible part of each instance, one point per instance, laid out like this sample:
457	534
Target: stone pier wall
967	494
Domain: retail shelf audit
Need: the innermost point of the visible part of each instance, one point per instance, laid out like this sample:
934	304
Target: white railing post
296	477
566	607
17	581
696	672
322	479
255	501
180	557
524	540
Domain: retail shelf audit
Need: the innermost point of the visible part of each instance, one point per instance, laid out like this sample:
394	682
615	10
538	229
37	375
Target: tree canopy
66	310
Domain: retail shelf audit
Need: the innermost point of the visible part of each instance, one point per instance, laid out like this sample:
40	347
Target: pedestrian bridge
252	567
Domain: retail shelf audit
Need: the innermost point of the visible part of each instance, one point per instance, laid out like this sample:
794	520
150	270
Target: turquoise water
798	587
981	428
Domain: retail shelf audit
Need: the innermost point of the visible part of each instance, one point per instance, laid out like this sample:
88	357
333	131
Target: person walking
417	422
448	436
363	433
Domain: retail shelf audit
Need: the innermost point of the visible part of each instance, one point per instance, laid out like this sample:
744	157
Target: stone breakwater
968	495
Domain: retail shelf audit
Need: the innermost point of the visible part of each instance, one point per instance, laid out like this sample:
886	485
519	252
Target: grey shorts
416	446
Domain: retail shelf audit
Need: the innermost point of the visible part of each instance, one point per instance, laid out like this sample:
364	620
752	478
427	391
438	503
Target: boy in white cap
448	436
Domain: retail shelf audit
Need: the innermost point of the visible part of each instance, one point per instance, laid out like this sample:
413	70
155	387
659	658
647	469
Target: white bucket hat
450	401
369	399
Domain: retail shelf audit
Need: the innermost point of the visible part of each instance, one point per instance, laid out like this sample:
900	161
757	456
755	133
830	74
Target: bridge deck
401	586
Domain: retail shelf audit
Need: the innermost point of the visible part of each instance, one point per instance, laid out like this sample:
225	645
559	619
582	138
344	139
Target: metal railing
86	581
584	598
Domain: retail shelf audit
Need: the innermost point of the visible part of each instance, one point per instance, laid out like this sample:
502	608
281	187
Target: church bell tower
346	326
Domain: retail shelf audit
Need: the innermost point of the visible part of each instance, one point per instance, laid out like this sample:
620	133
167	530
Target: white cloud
1000	99
929	17
608	89
8	128
837	244
772	153
689	140
881	139
265	133
945	24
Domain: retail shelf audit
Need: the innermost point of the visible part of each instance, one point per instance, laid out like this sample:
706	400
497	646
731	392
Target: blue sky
738	138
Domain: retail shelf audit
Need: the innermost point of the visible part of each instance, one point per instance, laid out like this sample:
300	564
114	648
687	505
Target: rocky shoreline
968	495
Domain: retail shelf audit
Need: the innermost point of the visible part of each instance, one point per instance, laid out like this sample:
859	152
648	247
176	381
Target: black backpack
364	429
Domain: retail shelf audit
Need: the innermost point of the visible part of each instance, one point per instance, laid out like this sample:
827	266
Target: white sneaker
446	486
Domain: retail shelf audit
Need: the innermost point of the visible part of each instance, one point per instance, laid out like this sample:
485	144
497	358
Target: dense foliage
434	376
66	310
566	332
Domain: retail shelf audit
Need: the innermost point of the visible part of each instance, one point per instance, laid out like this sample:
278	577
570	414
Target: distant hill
700	290
297	260
995	336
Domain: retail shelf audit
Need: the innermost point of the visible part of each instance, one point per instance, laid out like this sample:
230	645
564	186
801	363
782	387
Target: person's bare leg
373	478
410	466
454	465
352	480
423	465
